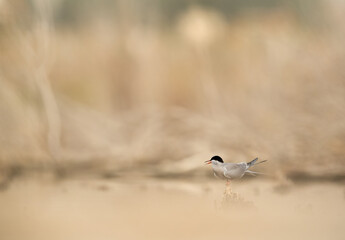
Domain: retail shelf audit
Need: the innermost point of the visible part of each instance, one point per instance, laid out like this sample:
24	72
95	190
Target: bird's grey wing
234	166
234	170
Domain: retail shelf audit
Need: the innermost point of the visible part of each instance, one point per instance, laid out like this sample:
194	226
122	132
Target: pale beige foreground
166	209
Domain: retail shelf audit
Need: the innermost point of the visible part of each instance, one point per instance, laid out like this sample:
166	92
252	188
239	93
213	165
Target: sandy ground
169	209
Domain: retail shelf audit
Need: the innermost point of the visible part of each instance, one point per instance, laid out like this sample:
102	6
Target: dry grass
118	93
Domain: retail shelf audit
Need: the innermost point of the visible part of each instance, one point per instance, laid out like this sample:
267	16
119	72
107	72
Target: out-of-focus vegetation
166	84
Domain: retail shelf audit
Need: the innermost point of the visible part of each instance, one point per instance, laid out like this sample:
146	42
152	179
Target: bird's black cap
217	158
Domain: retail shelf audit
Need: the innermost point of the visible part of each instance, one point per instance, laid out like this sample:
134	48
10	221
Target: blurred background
109	108
156	87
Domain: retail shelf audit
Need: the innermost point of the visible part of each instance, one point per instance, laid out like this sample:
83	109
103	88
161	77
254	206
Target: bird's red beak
208	162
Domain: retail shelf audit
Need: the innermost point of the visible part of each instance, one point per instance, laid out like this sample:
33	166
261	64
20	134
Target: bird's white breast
218	171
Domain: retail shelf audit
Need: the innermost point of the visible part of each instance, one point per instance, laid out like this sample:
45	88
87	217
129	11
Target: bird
230	171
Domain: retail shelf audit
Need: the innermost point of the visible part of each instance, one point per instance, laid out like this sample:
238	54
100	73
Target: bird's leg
227	182
228	191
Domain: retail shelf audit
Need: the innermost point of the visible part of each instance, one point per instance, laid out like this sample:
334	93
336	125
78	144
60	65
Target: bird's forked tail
253	162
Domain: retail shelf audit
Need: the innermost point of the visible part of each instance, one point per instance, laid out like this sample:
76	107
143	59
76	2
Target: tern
229	171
